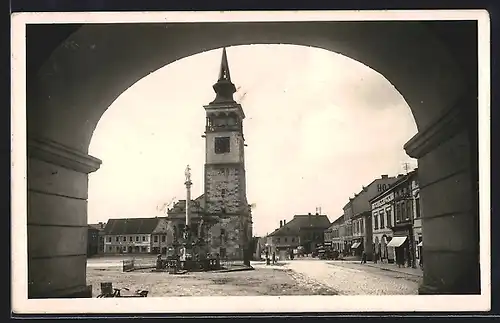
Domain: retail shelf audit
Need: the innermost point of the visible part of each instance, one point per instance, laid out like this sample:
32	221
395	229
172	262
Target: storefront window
389	218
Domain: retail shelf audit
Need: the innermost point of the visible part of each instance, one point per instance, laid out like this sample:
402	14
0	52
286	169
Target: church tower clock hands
225	184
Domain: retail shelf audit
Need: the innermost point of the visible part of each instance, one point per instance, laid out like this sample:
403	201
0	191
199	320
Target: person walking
363	257
274	257
400	257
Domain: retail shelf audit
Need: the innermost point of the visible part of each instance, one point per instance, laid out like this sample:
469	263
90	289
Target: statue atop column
187	173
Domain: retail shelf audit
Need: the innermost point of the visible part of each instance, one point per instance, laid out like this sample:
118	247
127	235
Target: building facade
159	237
129	235
358	234
284	240
358	210
305	231
397	227
382	222
362	234
92	241
99	240
347	228
334	234
222	216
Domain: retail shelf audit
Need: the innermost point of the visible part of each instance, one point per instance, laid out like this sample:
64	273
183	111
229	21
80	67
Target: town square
244	156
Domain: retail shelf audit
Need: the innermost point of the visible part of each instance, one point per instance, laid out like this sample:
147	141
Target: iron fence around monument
134	263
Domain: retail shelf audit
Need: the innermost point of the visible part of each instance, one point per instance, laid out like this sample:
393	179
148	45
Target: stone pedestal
448	175
57	220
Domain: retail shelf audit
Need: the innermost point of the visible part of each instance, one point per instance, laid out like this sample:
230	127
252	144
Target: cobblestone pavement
355	279
273	281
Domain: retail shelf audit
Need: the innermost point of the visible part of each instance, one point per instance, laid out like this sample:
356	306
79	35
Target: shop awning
420	244
355	245
396	241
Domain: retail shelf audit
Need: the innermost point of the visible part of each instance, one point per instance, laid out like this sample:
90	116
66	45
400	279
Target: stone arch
76	80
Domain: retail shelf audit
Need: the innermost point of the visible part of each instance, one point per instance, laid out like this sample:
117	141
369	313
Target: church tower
225	185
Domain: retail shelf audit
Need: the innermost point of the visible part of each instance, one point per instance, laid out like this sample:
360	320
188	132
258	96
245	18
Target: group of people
401	258
268	260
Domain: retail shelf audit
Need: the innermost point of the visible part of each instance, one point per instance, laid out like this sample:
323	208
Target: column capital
58	154
450	123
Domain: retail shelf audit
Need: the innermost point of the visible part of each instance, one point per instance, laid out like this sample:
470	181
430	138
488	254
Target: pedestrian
274	257
159	262
363	257
400	257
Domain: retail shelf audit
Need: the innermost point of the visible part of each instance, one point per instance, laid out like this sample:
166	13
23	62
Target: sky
318	127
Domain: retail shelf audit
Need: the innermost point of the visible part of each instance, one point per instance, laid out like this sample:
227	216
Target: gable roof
300	222
336	222
393	186
364	189
131	226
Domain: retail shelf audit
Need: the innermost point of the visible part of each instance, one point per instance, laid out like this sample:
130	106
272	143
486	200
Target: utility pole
406	167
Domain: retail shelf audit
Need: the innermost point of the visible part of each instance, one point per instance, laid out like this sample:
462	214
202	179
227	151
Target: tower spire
224	88
224	67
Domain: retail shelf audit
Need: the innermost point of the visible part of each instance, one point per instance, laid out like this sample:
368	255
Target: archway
92	64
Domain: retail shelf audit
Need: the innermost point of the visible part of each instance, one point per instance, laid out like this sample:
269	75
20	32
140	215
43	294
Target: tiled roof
394	185
97	226
300	222
131	226
336	222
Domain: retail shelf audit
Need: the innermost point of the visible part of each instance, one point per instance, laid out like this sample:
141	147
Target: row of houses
304	230
156	234
136	235
383	220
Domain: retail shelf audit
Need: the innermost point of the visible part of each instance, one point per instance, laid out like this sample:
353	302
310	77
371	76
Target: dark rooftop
131	226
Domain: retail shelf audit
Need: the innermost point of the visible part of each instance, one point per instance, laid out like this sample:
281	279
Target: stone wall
57	219
234	239
225	189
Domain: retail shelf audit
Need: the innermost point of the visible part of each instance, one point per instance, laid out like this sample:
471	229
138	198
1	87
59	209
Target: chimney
284	222
317	213
309	213
384	176
281	223
101	225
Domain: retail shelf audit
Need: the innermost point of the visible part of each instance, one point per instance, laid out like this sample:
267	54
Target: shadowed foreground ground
259	282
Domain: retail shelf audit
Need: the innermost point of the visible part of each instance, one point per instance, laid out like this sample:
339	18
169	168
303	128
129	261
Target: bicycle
107	290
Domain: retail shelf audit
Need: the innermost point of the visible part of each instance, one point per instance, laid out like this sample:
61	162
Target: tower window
222	145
